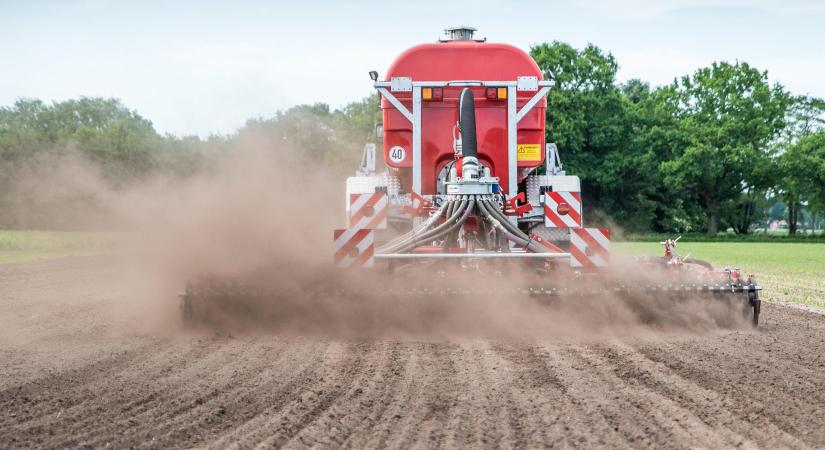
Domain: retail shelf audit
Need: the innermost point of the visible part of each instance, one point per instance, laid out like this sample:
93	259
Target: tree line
721	148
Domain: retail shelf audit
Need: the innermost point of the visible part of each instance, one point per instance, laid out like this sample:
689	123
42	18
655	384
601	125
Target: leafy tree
593	121
726	115
798	164
803	167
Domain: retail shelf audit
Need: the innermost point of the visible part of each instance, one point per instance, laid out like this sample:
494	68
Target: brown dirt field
74	373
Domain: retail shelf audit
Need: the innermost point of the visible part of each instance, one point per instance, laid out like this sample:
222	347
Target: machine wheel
757	306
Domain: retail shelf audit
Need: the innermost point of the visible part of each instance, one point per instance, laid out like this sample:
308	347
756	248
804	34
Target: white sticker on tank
397	154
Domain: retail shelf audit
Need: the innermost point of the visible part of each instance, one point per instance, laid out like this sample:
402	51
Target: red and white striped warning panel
354	247
562	209
589	247
368	211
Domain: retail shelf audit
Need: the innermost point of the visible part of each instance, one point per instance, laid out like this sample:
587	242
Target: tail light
496	93
432	94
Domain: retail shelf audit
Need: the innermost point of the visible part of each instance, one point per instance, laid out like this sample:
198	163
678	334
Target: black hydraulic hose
467	124
416	238
448	224
505	220
421	228
500	221
497	224
447	239
435	233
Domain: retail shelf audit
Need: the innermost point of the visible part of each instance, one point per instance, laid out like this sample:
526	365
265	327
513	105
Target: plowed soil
74	373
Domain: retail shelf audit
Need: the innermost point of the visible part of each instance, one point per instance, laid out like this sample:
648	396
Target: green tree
803	169
799	155
593	123
726	115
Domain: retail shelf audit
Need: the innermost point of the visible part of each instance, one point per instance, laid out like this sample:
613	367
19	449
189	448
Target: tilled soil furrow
53	393
635	419
267	399
537	403
458	429
319	391
96	393
358	406
760	392
397	403
196	406
671	419
377	400
405	418
484	404
709	406
426	423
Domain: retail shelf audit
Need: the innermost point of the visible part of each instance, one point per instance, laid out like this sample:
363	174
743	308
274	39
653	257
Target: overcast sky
201	67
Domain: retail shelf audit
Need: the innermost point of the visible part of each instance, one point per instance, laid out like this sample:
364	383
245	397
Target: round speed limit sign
397	154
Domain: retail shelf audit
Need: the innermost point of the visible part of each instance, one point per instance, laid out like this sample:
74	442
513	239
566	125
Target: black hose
467	123
465	208
386	248
415	239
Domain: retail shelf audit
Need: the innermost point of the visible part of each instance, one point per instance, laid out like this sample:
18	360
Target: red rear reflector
493	93
432	94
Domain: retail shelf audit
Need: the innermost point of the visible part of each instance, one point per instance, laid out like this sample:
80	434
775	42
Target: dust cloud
264	218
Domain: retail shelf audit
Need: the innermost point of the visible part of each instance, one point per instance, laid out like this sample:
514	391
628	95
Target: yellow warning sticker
528	152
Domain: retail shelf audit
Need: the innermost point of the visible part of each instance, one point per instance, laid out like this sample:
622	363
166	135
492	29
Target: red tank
453	61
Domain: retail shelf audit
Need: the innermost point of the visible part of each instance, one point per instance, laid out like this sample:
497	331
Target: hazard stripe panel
562	209
589	247
368	211
354	247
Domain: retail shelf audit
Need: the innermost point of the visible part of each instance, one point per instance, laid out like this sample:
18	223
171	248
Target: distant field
793	272
22	246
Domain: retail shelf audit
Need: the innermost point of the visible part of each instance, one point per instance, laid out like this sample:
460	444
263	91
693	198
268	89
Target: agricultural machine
471	187
471	184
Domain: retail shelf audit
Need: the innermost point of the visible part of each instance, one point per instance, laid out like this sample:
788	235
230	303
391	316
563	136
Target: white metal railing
514	116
